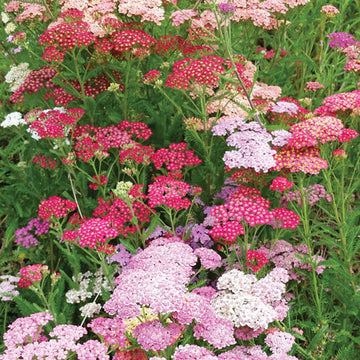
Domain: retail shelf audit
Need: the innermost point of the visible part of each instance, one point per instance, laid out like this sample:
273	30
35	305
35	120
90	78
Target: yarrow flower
313	86
32	273
26	238
281	184
330	11
8	286
227	7
255	260
340	154
13	119
285	107
55	207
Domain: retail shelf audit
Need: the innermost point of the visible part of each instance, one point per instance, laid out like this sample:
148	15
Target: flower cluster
99	180
55	123
165	190
311	195
281	183
8	286
24	235
55	207
286	256
168	265
246	301
202	71
44	161
255	260
174	159
16	76
251	142
32	273
25	339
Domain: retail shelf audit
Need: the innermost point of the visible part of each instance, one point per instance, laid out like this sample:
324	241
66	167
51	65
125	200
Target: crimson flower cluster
175	158
255	260
56	207
44	161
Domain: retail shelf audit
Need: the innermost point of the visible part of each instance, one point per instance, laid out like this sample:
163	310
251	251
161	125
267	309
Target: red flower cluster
119	214
44	161
55	207
98	180
151	77
32	273
55	123
284	218
140	154
165	190
130	40
66	36
93	141
175	158
227	232
202	71
255	260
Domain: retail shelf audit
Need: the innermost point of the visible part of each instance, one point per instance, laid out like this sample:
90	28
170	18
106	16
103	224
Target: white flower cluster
13	119
90	309
90	284
122	189
246	301
17	75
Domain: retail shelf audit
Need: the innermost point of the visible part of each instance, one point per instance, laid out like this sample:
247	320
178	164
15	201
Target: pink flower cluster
314	130
281	183
245	205
157	278
312	195
165	190
25	340
32	273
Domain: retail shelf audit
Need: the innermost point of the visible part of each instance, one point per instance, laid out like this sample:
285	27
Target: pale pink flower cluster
179	17
28	11
261	13
330	11
94	12
149	10
313	86
24	340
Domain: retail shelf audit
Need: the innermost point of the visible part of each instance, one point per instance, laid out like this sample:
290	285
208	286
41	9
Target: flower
209	258
13	119
55	207
340	154
255	260
281	184
313	86
227	7
330	11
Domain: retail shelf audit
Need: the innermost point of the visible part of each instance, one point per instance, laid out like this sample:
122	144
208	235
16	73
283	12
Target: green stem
307	236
